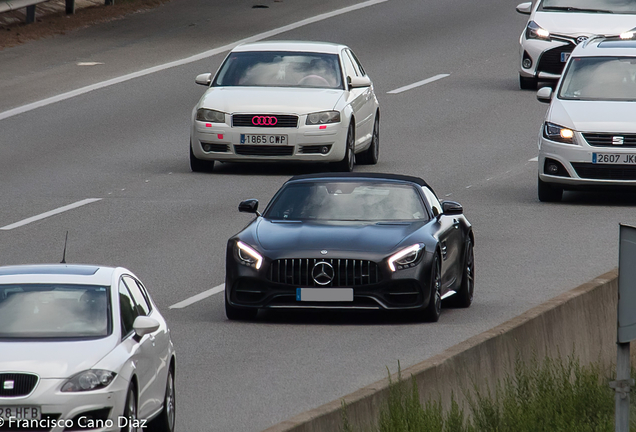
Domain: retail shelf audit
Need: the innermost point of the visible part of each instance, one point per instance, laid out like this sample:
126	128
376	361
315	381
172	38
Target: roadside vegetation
555	395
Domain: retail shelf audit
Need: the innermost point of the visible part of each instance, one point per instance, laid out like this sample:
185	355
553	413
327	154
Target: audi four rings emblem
264	120
322	273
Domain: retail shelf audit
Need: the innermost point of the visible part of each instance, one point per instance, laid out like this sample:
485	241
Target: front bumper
578	168
70	411
222	142
546	55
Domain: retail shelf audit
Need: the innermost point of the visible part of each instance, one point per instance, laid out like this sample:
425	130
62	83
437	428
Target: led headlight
323	117
407	257
534	31
212	116
92	379
558	133
248	255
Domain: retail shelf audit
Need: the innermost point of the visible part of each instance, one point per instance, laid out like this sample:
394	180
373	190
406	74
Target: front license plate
565	56
614	159
324	294
263	139
20	412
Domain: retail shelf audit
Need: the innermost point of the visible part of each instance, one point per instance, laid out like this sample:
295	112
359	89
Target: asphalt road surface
471	135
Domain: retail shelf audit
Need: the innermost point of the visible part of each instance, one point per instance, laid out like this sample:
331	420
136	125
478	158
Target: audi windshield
347	201
54	311
280	69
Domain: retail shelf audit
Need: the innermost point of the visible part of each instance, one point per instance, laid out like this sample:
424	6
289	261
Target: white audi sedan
286	101
555	27
588	138
82	348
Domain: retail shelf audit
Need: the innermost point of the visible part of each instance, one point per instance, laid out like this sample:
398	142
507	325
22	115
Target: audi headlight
407	257
558	133
323	117
248	256
212	116
92	379
534	31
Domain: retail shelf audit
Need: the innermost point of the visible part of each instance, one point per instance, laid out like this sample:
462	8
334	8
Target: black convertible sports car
354	241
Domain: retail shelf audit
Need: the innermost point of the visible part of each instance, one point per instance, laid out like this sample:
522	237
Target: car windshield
347	201
280	69
598	6
54	311
600	78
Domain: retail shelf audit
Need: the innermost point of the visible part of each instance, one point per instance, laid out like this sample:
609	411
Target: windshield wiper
575	9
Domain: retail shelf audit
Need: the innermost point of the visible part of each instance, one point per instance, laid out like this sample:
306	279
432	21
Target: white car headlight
323	117
557	133
92	379
248	255
212	116
407	257
534	31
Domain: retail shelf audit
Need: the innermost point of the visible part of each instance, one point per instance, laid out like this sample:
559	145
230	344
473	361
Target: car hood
270	100
333	236
576	24
594	116
53	359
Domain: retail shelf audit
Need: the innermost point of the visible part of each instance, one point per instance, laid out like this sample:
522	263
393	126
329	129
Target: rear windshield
280	69
57	311
347	201
591	6
600	78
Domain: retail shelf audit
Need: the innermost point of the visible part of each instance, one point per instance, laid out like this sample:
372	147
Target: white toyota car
286	101
588	138
555	27
82	348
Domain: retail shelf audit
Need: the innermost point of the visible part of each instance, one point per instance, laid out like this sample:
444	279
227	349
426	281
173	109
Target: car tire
548	192
239	314
464	297
346	164
526	83
166	419
130	411
370	155
433	310
198	165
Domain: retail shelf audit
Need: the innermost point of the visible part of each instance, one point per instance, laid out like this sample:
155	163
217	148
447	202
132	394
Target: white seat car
555	27
286	101
82	348
589	134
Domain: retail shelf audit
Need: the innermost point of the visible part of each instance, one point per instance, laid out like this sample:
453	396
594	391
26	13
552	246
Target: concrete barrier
581	321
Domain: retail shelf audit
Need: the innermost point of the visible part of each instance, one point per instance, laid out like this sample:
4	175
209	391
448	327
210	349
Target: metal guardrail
11	5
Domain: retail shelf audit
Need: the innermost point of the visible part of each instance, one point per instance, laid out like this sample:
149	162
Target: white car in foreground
82	348
286	101
588	138
555	27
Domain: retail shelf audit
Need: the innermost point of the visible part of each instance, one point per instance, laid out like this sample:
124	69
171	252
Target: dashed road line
418	84
201	296
49	213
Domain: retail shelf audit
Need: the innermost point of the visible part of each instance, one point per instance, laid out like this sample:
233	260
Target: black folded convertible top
361	176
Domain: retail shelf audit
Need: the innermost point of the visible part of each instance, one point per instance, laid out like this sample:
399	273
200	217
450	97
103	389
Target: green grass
554	395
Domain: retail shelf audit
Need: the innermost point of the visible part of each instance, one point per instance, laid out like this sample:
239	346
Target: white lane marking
198	297
50	213
191	59
414	85
89	63
534	159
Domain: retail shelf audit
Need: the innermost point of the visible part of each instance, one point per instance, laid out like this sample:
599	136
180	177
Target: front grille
17	384
315	149
282	121
44	420
550	60
347	272
263	150
605	172
607	140
217	148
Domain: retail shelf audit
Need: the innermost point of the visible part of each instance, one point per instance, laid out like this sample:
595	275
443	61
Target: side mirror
249	206
544	94
357	82
452	208
525	8
204	79
144	325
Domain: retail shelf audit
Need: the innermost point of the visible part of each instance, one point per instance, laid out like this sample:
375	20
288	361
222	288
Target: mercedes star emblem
322	273
323	252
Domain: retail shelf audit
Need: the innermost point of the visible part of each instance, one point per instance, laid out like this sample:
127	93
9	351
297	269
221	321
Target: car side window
356	67
350	70
436	206
128	311
141	301
357	63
